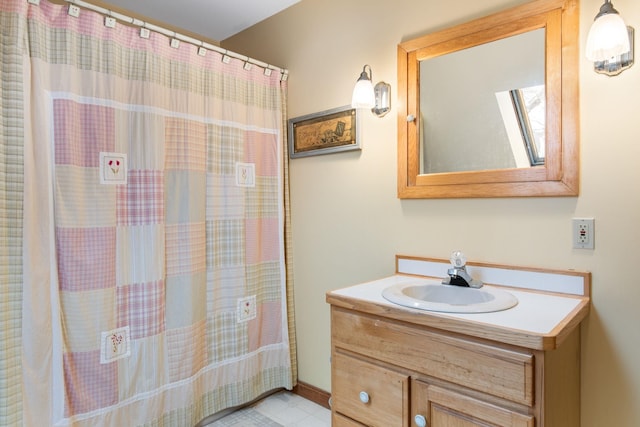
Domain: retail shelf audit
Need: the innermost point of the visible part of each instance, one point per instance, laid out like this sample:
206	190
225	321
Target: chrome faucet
458	275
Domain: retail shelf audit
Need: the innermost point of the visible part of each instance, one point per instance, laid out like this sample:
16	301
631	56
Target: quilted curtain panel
144	279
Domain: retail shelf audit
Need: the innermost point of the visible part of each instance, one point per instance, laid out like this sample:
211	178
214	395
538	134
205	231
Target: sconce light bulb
608	36
363	95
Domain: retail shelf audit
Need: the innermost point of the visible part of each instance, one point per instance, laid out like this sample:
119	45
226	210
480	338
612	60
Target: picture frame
330	131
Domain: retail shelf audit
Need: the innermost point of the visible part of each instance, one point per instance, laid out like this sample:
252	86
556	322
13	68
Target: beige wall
348	223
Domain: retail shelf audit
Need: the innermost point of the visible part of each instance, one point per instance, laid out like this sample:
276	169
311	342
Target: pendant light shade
608	36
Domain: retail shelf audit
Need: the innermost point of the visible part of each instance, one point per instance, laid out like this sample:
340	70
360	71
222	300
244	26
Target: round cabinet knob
411	118
420	420
364	397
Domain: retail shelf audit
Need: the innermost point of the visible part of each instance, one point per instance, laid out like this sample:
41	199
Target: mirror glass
489	107
484	107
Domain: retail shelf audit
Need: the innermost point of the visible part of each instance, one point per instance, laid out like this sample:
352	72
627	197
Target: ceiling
213	19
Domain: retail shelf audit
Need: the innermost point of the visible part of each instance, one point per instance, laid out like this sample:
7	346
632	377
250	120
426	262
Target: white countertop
537	313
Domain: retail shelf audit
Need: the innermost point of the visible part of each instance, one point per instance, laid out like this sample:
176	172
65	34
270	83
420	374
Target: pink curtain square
141	306
262	149
262	237
81	132
86	258
89	384
141	201
266	328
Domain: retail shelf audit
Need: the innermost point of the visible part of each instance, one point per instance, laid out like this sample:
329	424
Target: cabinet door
440	407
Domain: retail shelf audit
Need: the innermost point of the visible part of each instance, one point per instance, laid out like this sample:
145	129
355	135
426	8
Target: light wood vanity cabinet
394	373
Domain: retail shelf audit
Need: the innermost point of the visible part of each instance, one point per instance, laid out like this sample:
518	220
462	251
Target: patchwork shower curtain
144	214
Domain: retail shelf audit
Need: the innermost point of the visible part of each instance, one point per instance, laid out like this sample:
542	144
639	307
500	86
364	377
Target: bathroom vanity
398	366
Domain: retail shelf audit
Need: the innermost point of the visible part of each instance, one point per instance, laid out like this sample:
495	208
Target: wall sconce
610	42
365	95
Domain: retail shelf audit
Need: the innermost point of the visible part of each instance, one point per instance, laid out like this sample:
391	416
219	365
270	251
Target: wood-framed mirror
558	173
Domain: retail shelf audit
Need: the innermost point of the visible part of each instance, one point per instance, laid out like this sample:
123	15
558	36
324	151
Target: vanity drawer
498	371
338	420
369	393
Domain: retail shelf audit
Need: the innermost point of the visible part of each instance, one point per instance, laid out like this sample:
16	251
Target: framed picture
329	131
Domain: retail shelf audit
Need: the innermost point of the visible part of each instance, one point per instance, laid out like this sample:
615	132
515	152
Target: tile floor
287	409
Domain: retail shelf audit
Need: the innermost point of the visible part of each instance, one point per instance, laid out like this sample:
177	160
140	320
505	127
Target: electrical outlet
583	233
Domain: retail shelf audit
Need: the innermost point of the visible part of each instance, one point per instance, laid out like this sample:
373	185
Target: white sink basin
434	296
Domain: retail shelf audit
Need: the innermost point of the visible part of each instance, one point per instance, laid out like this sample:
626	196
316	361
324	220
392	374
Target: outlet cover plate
583	233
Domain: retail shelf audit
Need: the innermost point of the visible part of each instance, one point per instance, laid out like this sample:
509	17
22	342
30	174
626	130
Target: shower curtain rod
284	73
